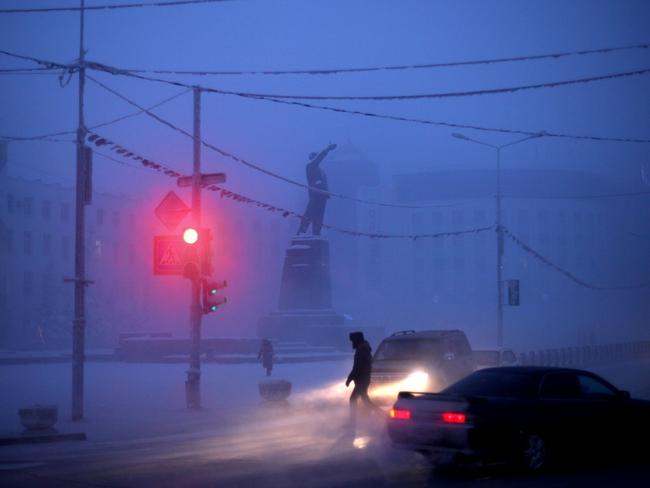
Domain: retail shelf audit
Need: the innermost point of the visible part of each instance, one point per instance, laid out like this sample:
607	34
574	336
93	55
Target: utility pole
499	227
193	383
499	255
79	322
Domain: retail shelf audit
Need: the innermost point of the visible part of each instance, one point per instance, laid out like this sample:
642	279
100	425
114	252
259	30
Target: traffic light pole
79	322
193	383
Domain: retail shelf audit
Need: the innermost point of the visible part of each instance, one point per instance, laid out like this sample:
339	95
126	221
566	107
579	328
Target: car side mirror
623	395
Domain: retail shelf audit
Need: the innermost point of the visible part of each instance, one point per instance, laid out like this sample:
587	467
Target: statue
316	179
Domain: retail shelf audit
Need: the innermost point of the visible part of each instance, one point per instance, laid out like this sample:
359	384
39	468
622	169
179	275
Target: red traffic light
190	236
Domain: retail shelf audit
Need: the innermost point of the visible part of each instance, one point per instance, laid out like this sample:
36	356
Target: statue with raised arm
317	180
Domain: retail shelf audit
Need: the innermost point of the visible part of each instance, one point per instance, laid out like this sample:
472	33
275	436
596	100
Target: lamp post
499	229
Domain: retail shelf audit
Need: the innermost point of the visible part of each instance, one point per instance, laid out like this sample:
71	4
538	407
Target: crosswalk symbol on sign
168	255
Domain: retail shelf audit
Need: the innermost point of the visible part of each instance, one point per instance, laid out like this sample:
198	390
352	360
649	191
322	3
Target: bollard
38	418
274	390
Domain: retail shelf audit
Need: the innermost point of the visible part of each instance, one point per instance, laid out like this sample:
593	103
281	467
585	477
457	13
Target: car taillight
454	418
400	414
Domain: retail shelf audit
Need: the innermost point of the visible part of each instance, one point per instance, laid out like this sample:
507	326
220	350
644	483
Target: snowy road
240	442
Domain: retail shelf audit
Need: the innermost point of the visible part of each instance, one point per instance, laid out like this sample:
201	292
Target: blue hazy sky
326	34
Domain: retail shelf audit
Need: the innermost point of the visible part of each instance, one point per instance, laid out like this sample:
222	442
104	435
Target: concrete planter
38	418
275	390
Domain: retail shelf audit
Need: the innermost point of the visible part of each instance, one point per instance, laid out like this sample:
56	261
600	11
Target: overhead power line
107	7
257	167
42	62
398	67
453	125
563	271
97	126
420	96
238	197
114	71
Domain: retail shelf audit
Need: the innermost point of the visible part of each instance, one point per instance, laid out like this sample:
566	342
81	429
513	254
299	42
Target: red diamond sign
172	210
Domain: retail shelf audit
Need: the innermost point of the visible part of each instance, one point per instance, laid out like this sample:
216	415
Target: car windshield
409	349
495	384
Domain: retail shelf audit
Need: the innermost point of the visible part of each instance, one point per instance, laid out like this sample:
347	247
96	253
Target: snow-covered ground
127	400
134	400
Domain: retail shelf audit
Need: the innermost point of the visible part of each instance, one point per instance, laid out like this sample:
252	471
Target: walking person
266	355
360	374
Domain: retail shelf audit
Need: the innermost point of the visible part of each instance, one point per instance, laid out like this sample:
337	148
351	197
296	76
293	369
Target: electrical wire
420	96
455	125
375	114
578	197
257	167
330	71
352	112
167	170
563	271
97	126
108	7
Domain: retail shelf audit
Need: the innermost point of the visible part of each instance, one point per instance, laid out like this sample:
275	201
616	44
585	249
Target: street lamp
499	228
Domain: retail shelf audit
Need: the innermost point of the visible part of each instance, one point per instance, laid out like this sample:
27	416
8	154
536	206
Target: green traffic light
213	291
213	308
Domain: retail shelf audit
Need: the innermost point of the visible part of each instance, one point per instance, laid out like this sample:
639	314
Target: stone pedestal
306	282
305	310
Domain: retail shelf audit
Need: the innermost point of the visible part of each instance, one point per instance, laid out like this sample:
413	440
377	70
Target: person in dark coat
360	374
266	355
316	179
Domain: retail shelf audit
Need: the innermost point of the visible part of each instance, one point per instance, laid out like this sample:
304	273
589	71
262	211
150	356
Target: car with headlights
426	361
525	415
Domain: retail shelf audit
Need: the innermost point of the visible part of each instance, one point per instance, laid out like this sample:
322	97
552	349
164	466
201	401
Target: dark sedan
527	415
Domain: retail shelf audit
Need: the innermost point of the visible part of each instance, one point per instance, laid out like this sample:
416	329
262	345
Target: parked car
525	415
426	361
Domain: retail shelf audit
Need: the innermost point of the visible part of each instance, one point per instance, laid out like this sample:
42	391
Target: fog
391	283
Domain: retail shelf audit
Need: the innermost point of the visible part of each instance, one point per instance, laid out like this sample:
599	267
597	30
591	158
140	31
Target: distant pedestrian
266	355
360	374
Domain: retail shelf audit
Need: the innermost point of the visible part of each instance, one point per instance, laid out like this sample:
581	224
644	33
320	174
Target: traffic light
206	252
191	254
211	299
190	236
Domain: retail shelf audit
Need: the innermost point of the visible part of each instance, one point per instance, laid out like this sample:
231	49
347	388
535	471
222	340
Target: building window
11	203
28	285
27	243
98	248
46	209
541	216
65	212
29	206
100	216
116	219
457	217
116	251
65	247
47	244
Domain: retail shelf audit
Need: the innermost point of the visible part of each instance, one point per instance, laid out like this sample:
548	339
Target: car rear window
409	349
495	384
